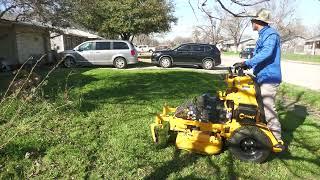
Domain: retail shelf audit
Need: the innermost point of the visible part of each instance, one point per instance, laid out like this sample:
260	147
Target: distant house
245	43
20	40
295	45
312	46
67	39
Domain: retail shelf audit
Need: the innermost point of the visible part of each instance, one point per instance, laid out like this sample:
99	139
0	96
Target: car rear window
120	45
103	45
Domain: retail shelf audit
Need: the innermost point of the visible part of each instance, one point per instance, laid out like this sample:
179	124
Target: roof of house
9	19
19	23
77	32
315	38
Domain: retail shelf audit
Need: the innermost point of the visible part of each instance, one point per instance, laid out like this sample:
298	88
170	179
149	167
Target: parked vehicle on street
101	52
246	53
162	47
194	54
145	48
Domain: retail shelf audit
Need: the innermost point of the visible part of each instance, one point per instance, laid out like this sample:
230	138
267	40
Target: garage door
30	44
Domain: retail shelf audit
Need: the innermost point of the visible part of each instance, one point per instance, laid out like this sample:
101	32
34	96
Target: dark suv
205	55
247	53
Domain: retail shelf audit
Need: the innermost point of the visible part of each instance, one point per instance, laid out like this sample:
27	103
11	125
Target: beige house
295	45
244	43
312	46
19	41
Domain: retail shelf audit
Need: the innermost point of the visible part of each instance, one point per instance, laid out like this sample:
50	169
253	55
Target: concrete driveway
301	74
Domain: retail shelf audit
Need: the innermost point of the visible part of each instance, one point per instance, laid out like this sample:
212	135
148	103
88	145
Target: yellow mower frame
206	137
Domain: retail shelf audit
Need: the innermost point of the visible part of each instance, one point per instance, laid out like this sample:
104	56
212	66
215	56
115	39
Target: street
301	74
306	75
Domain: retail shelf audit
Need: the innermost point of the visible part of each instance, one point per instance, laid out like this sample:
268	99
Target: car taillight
133	52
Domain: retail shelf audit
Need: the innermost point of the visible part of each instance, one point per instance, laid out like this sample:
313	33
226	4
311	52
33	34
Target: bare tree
284	20
146	39
209	32
234	28
227	6
180	40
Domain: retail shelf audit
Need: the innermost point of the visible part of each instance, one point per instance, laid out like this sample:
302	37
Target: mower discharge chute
238	123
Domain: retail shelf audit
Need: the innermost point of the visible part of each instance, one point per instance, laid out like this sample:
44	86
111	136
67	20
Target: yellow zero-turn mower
239	124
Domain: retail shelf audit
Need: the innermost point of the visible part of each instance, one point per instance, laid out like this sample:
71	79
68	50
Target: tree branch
248	4
230	12
6	10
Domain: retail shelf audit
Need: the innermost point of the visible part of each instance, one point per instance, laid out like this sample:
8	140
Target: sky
308	11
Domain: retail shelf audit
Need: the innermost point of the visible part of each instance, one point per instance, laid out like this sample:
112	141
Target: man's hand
240	65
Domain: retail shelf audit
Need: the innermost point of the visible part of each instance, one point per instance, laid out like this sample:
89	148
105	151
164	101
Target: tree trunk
236	44
125	36
132	37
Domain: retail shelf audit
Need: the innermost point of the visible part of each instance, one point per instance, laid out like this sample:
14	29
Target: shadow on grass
183	160
177	163
293	119
146	88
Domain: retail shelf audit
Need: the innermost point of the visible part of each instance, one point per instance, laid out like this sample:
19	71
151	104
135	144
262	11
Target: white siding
57	42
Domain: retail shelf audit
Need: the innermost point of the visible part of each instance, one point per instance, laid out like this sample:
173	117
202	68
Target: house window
317	45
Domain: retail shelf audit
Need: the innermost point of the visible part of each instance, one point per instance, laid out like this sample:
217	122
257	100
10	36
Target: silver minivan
101	52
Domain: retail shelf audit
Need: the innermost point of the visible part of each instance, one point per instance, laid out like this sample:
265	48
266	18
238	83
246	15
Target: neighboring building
21	40
67	39
245	43
295	45
312	46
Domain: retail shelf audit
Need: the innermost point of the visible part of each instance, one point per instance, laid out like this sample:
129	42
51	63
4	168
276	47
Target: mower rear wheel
249	143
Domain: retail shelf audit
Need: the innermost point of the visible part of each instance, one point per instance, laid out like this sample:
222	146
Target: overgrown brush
24	107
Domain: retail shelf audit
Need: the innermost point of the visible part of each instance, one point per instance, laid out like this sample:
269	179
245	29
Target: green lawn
230	53
301	57
97	127
292	57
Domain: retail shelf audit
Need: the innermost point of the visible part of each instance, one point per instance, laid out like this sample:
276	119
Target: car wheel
120	63
69	62
150	51
207	64
249	143
165	62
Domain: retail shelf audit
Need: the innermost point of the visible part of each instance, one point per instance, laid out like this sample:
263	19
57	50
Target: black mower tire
249	143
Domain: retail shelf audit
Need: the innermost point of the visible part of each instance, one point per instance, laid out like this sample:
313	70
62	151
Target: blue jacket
266	59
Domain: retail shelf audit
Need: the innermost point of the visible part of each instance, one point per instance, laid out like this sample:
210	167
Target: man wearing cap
266	67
